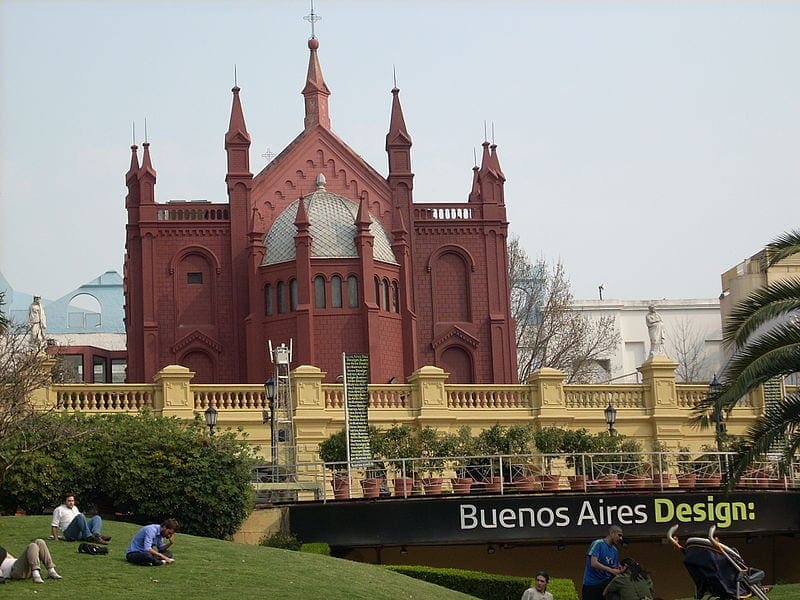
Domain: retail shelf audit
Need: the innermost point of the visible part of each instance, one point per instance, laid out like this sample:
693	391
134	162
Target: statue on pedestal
655	329
37	323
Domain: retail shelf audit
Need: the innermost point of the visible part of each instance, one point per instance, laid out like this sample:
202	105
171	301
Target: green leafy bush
488	586
280	539
145	467
316	548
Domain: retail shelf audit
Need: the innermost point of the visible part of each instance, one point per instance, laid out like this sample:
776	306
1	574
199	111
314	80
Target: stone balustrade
658	409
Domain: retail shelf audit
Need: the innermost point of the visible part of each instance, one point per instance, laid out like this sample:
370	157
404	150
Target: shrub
280	539
484	585
147	467
316	548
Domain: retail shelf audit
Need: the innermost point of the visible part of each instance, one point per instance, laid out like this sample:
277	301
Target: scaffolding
282	433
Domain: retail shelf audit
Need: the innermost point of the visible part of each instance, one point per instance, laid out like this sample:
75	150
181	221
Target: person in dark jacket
634	583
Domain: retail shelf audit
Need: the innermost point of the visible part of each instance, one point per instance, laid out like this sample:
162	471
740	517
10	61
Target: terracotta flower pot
577	483
528	483
494	485
403	486
550	482
686	480
432	485
711	480
371	487
341	487
461	485
636	481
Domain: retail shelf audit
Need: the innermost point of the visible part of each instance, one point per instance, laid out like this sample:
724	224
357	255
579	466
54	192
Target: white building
692	331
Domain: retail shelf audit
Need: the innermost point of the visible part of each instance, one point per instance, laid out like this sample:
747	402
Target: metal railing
511	474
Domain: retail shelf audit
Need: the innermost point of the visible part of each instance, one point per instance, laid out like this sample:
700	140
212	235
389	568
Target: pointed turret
363	220
475	192
316	92
237	139
398	134
131	179
490	177
147	177
301	218
496	162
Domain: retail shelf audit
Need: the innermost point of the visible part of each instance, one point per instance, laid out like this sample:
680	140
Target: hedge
488	586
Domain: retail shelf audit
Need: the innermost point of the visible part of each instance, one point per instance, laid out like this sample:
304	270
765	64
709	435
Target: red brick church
321	248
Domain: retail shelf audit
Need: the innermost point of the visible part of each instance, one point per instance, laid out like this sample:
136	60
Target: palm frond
761	306
779	420
786	244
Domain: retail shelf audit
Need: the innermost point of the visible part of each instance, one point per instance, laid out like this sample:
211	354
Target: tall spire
398	134
316	92
147	177
134	168
237	139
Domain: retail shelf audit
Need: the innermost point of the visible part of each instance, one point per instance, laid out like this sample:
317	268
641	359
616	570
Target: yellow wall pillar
173	397
428	396
661	400
311	422
547	395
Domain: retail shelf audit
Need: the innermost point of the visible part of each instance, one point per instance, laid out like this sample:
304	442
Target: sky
648	145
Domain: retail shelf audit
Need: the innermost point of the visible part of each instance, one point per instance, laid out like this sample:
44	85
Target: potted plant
432	451
463	446
333	452
686	476
661	462
576	444
400	442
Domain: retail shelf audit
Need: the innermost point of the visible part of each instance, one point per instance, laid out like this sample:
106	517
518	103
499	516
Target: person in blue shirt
602	564
150	546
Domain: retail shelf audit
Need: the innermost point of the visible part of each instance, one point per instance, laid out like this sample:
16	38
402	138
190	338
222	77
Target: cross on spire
312	18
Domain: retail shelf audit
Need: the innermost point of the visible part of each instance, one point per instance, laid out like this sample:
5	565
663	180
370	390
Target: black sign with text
528	518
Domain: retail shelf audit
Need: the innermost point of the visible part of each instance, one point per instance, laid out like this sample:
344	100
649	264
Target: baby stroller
718	570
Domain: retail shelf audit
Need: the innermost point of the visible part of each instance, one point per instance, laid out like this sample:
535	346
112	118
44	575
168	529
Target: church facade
321	249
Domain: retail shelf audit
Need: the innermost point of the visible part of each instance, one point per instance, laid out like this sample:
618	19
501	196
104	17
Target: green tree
763	332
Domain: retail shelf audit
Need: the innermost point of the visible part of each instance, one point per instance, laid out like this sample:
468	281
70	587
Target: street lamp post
610	414
269	388
717	414
211	419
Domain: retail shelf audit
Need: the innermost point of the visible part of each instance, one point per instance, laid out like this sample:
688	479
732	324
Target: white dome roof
332	229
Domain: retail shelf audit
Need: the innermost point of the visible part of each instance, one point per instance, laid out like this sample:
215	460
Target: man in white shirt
28	564
74	526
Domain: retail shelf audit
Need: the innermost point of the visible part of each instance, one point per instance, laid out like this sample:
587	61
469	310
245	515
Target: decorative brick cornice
455	332
196	336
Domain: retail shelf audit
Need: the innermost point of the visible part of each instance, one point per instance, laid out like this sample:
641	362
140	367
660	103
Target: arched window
319	291
281	297
378	291
268	308
336	291
352	291
395	297
293	294
385	299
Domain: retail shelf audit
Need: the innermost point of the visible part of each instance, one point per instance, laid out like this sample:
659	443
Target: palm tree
764	333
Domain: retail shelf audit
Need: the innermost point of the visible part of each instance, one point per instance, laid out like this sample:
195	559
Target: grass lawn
204	568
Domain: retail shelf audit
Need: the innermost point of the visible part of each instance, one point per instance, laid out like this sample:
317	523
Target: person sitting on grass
150	546
28	564
74	526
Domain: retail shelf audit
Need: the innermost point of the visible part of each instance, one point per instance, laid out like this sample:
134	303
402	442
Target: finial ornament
312	18
394	76
235	77
145	130
134	132
320	181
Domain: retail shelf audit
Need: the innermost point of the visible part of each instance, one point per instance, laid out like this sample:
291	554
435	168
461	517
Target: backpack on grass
85	548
